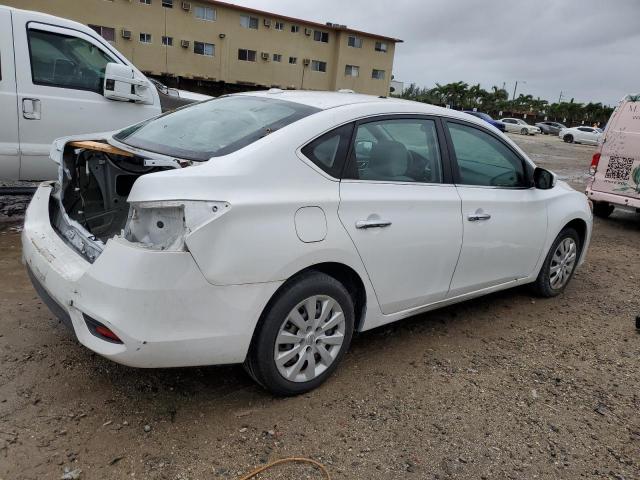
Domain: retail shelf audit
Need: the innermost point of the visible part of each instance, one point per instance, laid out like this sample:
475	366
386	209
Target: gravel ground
504	387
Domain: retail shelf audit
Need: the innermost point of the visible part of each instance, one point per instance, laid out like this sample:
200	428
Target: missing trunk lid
89	205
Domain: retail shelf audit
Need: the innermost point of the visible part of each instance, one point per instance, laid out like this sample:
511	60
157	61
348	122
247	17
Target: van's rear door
618	170
9	143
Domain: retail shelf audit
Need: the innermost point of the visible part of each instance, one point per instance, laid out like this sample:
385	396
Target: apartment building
216	43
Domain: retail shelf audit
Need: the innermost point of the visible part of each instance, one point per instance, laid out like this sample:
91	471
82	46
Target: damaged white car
266	228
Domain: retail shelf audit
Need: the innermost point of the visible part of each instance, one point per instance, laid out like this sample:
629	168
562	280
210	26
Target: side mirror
543	179
121	84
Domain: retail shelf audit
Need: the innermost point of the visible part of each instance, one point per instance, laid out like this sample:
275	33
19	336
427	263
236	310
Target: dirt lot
507	386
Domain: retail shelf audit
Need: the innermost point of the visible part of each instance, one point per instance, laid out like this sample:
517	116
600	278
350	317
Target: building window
107	33
167	41
318	66
377	74
205	13
246	55
295	28
279	25
381	47
293	60
145	2
145	37
201	48
167	3
319	36
277	57
354	41
249	22
352	71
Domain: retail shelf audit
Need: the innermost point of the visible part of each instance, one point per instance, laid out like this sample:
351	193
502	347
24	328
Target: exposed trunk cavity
90	204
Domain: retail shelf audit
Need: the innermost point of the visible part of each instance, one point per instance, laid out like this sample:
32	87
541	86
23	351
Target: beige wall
224	65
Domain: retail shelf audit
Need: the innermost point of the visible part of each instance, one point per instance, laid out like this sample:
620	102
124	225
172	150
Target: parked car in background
615	167
64	79
517	125
487	118
309	216
586	135
550	128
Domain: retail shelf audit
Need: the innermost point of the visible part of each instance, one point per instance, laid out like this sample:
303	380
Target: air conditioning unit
184	43
126	34
265	56
267	22
306	62
307	32
186	6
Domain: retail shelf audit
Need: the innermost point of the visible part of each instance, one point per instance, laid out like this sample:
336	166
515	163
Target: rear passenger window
65	61
484	160
403	150
330	150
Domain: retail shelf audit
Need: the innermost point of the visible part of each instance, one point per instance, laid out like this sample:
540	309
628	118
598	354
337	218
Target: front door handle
364	224
31	108
476	217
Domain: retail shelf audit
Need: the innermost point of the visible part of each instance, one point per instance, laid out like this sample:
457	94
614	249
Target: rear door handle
364	224
31	108
476	217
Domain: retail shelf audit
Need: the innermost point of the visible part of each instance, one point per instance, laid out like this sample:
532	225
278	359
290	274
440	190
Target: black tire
524	131
260	362
602	209
568	138
542	286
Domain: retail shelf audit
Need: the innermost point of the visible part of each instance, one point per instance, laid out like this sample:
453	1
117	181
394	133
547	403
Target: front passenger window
66	61
403	150
485	160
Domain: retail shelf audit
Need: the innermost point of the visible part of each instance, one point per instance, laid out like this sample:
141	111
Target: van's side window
66	61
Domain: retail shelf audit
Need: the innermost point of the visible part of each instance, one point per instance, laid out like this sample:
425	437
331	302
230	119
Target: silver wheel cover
309	339
563	263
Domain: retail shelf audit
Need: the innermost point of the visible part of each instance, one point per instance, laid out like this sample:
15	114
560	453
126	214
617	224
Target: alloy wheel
563	263
309	339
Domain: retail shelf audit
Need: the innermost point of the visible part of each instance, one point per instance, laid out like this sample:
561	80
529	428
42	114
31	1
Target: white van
58	78
615	168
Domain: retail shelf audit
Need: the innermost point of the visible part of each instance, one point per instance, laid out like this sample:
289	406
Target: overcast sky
588	49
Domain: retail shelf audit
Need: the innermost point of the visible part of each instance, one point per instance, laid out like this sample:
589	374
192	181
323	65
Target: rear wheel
568	138
602	209
304	335
560	264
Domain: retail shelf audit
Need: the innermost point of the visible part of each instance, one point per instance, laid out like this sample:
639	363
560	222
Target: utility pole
560	97
516	88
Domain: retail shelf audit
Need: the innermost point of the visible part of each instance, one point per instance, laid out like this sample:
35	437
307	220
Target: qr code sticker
619	168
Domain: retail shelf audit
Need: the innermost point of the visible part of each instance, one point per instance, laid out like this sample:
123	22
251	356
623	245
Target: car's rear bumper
612	198
158	303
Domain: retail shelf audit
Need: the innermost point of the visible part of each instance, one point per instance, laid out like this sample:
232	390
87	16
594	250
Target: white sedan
266	228
517	125
586	135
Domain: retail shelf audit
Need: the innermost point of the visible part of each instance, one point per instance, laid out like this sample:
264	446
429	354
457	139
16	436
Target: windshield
213	128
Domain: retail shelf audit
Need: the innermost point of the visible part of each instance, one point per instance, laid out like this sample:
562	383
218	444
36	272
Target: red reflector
594	163
105	332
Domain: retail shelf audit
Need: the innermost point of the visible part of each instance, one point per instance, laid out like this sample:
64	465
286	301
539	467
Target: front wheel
303	336
560	264
524	131
568	138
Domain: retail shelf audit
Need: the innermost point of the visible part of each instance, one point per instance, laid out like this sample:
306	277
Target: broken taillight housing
164	225
594	163
101	331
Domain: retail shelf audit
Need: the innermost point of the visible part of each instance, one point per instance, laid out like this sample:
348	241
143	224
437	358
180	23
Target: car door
9	144
60	75
401	210
504	217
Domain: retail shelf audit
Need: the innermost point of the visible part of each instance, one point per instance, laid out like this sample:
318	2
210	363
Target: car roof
326	100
